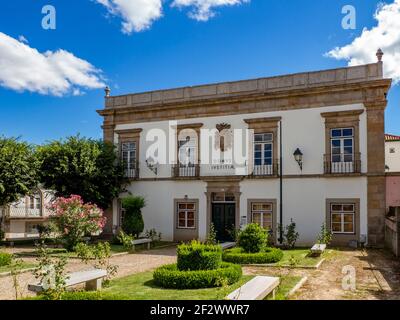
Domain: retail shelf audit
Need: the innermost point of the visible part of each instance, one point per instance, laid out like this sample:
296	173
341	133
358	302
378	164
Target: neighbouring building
316	154
20	220
392	158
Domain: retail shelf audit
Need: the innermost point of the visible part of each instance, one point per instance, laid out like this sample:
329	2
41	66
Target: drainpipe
280	185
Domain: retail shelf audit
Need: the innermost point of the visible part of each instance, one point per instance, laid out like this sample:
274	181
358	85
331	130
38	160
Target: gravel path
127	264
377	276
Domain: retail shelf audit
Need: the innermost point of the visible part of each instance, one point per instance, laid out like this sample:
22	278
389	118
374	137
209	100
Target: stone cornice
262	120
341	114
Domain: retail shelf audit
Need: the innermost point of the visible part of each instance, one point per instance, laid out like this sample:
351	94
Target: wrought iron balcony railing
132	173
186	170
342	163
265	170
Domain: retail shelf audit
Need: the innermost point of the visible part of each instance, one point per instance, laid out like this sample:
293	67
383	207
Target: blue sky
255	38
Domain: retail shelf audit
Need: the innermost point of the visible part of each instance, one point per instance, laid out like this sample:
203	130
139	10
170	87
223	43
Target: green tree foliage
133	221
253	238
89	168
18	169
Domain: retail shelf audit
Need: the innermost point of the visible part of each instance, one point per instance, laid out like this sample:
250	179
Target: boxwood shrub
168	276
239	256
198	256
5	259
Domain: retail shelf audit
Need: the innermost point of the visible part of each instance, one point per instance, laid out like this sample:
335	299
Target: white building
392	153
20	220
335	118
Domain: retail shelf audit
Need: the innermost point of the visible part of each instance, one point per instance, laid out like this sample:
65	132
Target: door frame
227	185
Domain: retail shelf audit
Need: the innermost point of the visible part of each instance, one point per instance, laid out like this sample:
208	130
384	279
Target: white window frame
186	211
262	212
342	213
130	164
342	138
263	144
190	148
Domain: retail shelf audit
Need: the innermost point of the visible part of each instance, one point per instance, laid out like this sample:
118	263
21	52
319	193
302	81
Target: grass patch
287	284
23	266
142	287
299	258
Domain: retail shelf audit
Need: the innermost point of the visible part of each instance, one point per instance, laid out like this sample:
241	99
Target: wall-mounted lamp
152	165
298	156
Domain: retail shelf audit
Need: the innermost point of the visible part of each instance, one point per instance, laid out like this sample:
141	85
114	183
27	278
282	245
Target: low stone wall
392	232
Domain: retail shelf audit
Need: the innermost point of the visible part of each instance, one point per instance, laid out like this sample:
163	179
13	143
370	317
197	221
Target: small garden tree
133	221
74	219
18	170
253	238
82	166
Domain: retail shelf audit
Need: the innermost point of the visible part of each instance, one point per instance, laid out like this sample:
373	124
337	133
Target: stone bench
227	245
92	278
141	241
318	249
256	289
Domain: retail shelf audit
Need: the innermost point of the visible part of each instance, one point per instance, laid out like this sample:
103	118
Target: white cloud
384	35
137	15
203	9
23	68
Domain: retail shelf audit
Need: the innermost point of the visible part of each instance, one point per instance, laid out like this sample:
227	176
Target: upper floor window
129	158
35	201
263	149
342	144
187	148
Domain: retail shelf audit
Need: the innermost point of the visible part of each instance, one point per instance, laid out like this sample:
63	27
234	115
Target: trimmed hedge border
237	255
168	276
198	256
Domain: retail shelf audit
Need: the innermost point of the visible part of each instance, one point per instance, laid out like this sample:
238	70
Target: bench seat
318	249
141	241
256	289
92	278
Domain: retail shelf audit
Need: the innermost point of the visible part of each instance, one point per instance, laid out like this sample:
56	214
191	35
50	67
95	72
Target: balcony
342	163
265	170
23	213
182	170
132	173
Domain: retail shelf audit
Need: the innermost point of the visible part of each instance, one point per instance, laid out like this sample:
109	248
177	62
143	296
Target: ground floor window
342	218
261	213
32	228
186	215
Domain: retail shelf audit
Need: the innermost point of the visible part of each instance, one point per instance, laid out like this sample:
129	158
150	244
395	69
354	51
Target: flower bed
169	276
239	256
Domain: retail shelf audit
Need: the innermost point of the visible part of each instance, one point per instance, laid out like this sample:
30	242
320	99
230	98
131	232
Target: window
223	197
342	145
32	228
187	150
35	202
186	215
263	149
128	154
342	218
261	213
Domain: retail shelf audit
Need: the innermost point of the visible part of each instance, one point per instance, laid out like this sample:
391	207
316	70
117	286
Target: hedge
168	276
198	256
5	259
239	256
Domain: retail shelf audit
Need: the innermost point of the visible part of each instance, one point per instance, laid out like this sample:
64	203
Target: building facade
315	154
392	157
20	220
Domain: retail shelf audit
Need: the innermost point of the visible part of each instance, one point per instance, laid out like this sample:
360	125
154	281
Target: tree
82	166
18	169
133	221
75	219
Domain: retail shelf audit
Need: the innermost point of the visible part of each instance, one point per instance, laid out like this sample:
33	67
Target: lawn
298	258
23	266
141	287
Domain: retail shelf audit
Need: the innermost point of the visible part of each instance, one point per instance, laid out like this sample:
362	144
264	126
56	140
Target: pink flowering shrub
75	219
